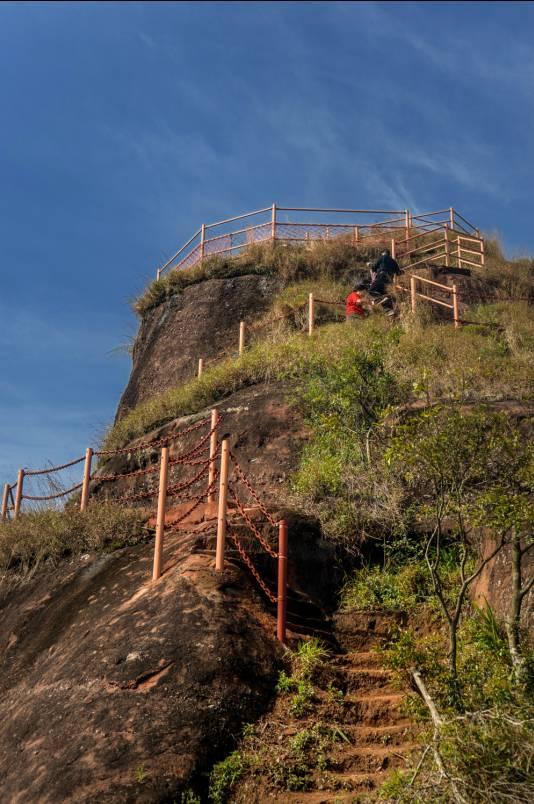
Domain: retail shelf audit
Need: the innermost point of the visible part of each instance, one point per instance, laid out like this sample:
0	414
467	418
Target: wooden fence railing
230	236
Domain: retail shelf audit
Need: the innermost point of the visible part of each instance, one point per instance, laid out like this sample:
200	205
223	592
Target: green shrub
224	776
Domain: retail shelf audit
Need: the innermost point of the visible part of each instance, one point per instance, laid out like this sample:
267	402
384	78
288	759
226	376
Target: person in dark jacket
385	264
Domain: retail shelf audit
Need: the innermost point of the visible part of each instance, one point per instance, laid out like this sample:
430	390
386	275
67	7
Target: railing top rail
430	214
456	213
237	218
172	259
347	211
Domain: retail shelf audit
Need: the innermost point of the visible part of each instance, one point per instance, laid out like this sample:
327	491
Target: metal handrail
362	229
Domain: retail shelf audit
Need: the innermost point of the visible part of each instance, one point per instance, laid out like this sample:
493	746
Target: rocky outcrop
200	321
114	688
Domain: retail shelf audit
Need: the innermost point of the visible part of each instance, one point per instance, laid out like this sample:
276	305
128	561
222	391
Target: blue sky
125	125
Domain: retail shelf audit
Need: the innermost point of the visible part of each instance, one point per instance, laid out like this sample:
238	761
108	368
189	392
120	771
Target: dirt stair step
398	733
363	678
365	659
374	758
372	708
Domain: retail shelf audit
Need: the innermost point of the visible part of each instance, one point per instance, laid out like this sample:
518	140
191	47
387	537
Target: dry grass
332	259
47	536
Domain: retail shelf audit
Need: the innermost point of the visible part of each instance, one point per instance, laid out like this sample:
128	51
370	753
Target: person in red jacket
354	308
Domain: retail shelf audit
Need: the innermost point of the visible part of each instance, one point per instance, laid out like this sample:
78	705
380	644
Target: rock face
201	321
117	689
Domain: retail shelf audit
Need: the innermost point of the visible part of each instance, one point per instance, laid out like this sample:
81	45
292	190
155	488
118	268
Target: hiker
354	308
382	272
385	264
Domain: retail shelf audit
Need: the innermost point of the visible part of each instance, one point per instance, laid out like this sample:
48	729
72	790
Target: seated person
354	308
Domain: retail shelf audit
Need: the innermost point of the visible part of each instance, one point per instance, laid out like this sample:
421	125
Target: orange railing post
447	256
202	240
213	452
200	367
311	314
451	217
356	234
160	518
455	307
273	223
407	222
18	496
223	504
241	337
458	253
412	292
282	582
5	501
482	254
393	248
86	479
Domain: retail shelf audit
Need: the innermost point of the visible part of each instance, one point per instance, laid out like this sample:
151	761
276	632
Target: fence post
200	366
86	478
482	254
407	223
223	498
458	252
158	274
202	240
160	519
412	292
5	500
18	496
447	256
282	582
311	314
455	307
356	234
451	217
393	249
213	450
273	223
241	337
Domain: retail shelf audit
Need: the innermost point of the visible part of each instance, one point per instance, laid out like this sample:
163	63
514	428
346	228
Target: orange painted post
241	337
412	292
482	254
451	217
202	240
213	451
455	307
160	519
447	255
18	496
356	234
200	366
458	253
407	223
393	250
273	223
311	314
282	582
5	500
223	505
86	478
158	274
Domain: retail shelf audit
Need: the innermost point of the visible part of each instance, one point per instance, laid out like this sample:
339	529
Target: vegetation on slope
49	535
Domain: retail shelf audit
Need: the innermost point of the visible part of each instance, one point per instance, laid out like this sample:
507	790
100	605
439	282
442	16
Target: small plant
224	776
189	797
140	774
